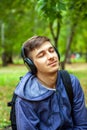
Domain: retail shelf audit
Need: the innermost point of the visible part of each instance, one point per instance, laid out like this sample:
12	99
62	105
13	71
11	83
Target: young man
42	102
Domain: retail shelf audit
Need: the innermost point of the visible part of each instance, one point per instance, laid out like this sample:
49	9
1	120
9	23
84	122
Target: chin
53	70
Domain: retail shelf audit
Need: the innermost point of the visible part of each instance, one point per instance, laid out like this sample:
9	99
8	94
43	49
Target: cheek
40	61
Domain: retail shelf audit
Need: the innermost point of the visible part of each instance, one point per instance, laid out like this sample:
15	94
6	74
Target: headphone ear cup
57	53
28	62
30	65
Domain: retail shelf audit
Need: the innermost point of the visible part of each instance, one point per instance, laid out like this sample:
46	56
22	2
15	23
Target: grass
9	77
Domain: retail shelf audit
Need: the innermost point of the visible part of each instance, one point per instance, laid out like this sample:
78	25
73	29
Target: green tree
20	22
52	12
73	12
76	13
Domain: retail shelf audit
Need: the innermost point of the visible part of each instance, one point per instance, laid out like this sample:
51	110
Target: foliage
19	24
58	18
52	12
51	9
65	14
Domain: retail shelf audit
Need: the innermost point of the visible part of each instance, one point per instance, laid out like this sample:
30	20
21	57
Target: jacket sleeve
26	118
79	108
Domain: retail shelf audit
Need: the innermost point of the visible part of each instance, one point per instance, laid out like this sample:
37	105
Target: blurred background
63	21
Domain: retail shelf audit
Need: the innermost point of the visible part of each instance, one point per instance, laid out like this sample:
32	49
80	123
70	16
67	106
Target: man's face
45	58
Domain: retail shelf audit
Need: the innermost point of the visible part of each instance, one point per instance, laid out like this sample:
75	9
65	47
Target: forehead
44	46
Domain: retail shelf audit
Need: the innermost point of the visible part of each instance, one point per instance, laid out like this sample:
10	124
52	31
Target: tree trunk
55	36
9	59
86	57
69	42
4	59
86	54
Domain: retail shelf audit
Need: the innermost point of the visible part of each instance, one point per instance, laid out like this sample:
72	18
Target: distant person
42	102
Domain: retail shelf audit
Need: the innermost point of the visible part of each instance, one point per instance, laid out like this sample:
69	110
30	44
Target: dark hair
34	42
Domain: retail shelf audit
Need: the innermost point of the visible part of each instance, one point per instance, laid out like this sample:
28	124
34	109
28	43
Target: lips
52	63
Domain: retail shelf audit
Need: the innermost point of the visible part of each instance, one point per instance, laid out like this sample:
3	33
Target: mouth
53	63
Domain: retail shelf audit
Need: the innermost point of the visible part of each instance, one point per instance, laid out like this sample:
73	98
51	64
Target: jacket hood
30	88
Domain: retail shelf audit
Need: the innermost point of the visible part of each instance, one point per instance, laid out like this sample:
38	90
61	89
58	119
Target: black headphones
29	63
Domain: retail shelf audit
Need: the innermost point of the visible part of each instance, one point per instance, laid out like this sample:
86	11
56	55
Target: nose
49	55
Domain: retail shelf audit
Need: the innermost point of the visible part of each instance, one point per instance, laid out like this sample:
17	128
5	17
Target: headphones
29	63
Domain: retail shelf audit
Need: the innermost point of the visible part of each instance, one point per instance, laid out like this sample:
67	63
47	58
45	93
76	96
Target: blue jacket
40	108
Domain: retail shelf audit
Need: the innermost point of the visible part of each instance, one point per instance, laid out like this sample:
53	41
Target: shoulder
76	85
22	83
25	78
21	102
74	80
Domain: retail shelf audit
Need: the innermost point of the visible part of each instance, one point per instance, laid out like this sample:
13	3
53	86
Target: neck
49	80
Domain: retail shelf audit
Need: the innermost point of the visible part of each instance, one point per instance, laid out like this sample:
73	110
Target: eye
51	49
41	55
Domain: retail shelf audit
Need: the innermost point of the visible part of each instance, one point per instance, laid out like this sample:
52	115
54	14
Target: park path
76	66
